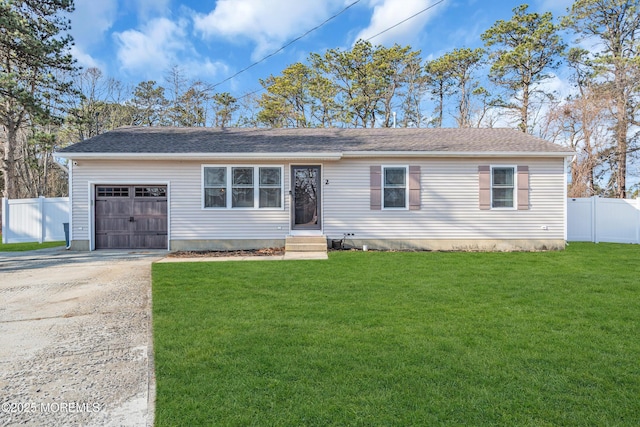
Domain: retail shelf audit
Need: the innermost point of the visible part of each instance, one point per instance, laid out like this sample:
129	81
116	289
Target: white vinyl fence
596	220
34	220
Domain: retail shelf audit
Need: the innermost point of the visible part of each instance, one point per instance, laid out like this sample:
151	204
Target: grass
381	339
30	246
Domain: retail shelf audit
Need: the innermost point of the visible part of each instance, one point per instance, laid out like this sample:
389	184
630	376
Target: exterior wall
449	216
469	245
187	220
449	203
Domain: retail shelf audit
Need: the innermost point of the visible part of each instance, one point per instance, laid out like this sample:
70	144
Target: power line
289	43
405	20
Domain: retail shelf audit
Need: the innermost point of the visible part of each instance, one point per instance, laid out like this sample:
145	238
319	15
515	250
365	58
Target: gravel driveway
75	338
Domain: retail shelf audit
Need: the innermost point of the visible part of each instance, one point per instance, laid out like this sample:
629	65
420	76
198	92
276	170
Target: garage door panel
113	241
113	207
115	225
150	225
150	207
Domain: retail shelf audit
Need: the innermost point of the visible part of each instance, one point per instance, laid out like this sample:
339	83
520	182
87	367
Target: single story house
247	188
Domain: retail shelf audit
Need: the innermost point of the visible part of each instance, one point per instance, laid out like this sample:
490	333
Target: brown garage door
131	217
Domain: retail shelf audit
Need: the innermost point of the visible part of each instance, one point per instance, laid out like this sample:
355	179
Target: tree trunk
621	127
590	162
524	111
441	106
463	106
621	154
8	162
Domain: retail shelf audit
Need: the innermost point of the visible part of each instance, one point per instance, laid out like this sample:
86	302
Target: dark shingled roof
168	140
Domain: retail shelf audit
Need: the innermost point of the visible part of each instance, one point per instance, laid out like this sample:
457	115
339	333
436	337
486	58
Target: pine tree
614	25
34	50
525	49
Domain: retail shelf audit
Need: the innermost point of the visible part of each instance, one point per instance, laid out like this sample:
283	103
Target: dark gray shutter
484	179
523	188
375	183
414	188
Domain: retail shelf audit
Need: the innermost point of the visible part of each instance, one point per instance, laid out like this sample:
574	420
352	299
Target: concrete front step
305	244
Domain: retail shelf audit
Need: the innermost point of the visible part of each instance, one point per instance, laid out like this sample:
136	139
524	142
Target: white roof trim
457	154
315	156
201	156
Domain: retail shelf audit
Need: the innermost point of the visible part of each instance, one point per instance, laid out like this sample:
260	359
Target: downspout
63	167
638	219
70	190
565	200
5	220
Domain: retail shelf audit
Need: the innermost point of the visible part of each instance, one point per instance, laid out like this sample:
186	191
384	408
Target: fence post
5	219
41	222
594	222
638	220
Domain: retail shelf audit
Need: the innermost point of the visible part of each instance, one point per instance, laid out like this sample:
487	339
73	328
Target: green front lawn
31	246
399	339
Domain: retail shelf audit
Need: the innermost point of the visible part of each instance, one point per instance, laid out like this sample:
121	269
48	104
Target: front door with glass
305	191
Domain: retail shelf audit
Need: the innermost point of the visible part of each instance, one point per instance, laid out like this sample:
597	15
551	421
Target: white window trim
406	188
515	187
202	187
229	187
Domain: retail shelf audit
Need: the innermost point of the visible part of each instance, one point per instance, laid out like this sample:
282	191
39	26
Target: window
247	187
394	184
242	191
112	191
151	192
270	187
215	187
502	186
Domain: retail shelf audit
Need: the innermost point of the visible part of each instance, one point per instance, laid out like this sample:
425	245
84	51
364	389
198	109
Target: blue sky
137	40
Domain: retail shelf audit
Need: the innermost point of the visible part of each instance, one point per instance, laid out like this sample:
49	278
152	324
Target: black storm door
305	189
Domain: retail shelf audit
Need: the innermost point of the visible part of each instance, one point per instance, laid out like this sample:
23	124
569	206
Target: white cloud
91	20
267	24
152	48
84	59
387	13
158	45
560	86
197	68
148	8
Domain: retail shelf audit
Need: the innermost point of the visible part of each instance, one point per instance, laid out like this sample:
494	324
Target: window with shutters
503	185
395	187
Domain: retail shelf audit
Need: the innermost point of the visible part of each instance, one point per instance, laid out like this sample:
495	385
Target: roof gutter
308	155
200	156
457	154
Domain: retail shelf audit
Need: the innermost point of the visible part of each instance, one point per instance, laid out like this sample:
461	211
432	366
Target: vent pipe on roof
394	119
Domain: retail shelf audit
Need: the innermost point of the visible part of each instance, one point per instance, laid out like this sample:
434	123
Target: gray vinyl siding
449	202
187	219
